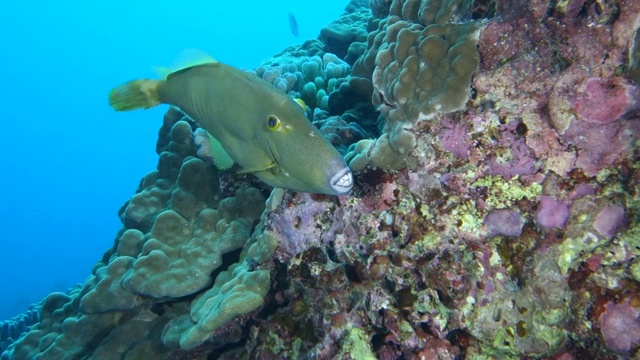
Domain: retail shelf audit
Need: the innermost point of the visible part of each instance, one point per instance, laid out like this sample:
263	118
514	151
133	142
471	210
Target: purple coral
605	100
581	190
519	159
620	326
613	140
455	138
298	225
609	220
503	222
552	213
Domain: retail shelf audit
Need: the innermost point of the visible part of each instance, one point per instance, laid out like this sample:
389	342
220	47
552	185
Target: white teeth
345	181
342	182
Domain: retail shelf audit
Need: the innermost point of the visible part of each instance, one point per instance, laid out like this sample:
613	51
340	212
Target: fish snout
342	181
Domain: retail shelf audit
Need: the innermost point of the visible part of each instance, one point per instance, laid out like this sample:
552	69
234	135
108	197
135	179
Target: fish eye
273	123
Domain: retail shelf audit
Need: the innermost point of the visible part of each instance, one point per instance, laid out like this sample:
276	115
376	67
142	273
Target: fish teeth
342	182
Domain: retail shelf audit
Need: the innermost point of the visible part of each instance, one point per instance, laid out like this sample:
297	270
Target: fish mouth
342	181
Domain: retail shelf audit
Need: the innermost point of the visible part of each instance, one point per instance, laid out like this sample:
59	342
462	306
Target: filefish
293	24
260	127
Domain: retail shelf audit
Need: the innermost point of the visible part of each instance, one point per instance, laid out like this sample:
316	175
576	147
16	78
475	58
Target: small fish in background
293	24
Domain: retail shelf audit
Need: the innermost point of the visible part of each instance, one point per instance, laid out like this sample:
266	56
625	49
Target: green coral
428	302
312	77
348	28
426	71
527	321
432	11
428	242
574	249
355	345
424	59
176	231
377	153
107	280
634	269
505	193
469	218
500	194
237	291
65	333
176	257
633	70
631	239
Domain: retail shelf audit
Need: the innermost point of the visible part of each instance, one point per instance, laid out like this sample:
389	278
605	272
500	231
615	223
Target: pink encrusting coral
620	326
609	220
602	101
600	145
580	190
512	156
455	139
503	222
552	213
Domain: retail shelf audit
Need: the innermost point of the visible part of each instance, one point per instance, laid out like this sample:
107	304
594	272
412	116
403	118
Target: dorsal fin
187	58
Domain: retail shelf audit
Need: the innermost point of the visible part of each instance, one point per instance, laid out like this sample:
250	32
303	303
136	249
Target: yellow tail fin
136	94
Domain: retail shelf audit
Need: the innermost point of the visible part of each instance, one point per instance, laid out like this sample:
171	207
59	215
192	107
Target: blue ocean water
69	161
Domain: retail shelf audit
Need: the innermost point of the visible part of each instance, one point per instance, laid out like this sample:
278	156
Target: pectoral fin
210	147
222	159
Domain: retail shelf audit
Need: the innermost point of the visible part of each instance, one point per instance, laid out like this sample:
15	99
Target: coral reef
420	61
343	36
496	212
163	275
12	329
310	78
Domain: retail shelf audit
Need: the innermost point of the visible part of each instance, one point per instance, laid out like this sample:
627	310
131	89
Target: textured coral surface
495	214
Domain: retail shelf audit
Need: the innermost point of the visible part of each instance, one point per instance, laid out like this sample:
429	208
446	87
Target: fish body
293	24
261	128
